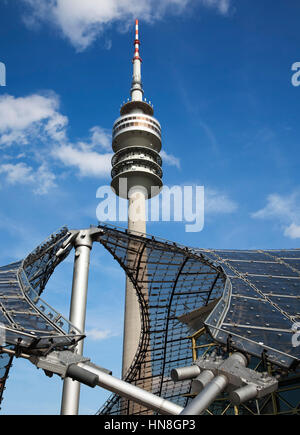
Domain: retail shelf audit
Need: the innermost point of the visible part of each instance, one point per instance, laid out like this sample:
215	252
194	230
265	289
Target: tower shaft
132	319
136	176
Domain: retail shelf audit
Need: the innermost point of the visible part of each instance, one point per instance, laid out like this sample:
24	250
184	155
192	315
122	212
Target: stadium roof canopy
248	300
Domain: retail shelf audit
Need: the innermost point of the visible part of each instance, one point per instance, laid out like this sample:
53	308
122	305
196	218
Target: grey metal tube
239	358
71	389
182	373
81	375
201	381
206	397
243	394
133	393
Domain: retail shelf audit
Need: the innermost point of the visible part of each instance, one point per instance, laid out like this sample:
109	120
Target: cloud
285	209
19	173
41	179
36	131
279	206
22	118
81	22
89	163
218	203
99	334
292	231
84	158
222	6
45	180
100	137
169	159
19	113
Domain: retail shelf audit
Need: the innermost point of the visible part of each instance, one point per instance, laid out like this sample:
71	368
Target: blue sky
219	73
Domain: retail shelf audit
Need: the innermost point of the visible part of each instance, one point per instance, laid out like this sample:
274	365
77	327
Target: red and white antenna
136	43
137	89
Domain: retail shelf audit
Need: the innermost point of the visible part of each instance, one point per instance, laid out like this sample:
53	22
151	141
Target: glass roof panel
262	268
181	280
276	285
242	255
255	313
292	253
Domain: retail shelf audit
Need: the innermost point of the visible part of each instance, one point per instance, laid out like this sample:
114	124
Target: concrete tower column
136	142
132	321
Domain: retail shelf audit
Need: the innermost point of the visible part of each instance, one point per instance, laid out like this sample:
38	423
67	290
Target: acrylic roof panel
25	317
5	365
170	281
261	307
253	297
285	253
258	294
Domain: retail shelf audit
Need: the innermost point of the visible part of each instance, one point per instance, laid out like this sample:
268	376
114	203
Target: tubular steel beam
206	397
83	244
133	393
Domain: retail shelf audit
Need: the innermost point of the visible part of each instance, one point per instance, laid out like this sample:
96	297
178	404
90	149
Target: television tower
136	176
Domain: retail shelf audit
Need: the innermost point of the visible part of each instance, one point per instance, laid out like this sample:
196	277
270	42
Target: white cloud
218	203
19	113
169	159
277	206
285	209
45	180
35	115
292	231
19	173
32	123
42	179
222	6
98	334
81	22
83	155
100	137
36	131
89	163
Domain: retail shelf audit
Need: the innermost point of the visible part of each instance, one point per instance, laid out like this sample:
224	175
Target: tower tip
136	90
136	30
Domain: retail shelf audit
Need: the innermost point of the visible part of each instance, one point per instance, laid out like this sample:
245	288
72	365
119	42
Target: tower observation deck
136	176
136	140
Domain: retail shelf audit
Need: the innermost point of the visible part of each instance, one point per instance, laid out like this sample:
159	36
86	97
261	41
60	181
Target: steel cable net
5	365
247	300
27	321
260	308
253	295
40	264
170	281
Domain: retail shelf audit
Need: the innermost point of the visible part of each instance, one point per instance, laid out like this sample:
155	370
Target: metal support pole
183	373
201	381
83	245
206	397
67	365
131	392
212	388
